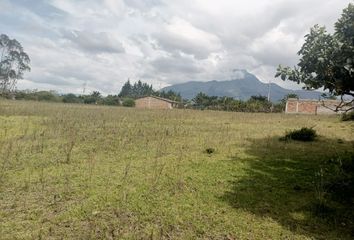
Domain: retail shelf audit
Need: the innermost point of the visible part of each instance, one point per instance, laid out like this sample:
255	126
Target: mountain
243	88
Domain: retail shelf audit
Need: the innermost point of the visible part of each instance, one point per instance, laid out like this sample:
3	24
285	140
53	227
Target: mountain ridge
242	88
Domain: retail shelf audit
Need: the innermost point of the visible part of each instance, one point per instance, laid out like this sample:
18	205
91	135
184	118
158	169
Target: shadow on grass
283	182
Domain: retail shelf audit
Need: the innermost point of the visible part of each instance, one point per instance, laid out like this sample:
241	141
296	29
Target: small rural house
153	102
308	106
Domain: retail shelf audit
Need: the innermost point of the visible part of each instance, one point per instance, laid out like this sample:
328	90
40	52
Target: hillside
242	88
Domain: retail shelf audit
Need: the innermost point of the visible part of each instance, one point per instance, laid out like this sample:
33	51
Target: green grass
90	172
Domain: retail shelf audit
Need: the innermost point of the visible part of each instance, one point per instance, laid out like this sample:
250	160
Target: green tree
128	102
138	90
71	98
94	98
96	94
201	100
48	96
126	89
170	95
327	60
13	63
258	104
111	100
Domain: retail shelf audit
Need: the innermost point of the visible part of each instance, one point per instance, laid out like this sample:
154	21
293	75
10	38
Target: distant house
308	106
153	102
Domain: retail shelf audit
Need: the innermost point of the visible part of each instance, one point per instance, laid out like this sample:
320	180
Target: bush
334	183
71	98
209	150
111	100
90	100
128	102
47	96
304	134
348	116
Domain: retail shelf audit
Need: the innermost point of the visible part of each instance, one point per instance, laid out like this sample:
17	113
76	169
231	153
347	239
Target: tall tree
13	63
170	95
126	89
139	89
96	94
327	60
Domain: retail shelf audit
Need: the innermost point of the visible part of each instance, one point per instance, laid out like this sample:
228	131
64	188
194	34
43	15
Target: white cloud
105	42
180	35
276	47
94	42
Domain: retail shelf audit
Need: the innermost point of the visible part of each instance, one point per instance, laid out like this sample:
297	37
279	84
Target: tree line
254	104
126	97
140	89
200	102
52	96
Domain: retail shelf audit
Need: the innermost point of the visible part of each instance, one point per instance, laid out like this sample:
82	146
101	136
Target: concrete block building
308	106
153	102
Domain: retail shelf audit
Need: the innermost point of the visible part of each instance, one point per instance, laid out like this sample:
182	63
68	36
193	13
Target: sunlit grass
81	172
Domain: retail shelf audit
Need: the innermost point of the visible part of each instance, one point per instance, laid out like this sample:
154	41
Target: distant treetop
140	89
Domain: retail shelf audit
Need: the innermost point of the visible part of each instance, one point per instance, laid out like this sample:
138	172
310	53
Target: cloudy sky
104	42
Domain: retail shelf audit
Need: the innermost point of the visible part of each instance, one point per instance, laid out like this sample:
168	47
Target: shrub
335	180
348	116
49	96
209	150
128	102
71	98
111	100
304	134
89	100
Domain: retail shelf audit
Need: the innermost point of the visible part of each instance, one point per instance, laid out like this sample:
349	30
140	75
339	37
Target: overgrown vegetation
201	101
51	96
128	102
94	172
348	116
254	104
339	171
126	97
334	188
304	134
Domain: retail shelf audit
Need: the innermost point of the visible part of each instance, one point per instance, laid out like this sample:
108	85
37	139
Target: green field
93	172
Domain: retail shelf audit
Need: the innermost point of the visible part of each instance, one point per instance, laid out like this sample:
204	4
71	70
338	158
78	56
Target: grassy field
91	172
